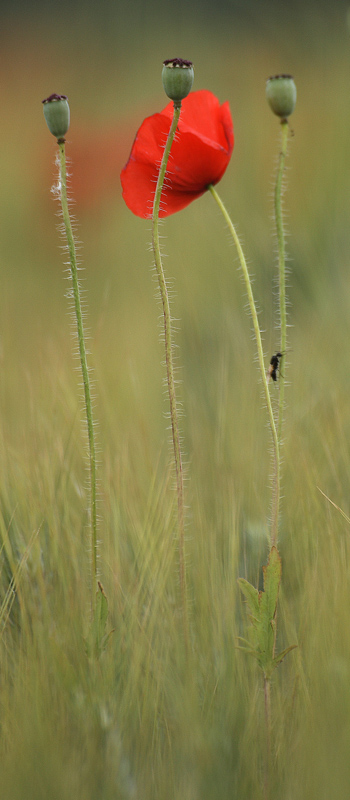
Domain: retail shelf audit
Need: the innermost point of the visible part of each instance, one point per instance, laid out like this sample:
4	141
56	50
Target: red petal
202	114
139	176
199	155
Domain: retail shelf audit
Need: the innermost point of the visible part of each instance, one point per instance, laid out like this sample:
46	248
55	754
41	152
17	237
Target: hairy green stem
84	368
254	315
281	267
170	369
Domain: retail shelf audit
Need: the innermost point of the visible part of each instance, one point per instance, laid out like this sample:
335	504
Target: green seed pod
177	77
281	94
57	115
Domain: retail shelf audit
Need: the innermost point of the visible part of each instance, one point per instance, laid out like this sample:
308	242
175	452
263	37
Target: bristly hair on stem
262	366
61	192
280	232
171	383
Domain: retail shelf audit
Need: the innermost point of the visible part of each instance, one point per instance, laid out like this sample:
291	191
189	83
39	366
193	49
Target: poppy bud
57	115
177	77
281	94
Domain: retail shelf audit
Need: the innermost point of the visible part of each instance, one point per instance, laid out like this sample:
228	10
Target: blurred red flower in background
95	158
95	155
199	155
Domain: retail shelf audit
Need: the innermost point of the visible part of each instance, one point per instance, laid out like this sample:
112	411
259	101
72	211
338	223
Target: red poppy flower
199	155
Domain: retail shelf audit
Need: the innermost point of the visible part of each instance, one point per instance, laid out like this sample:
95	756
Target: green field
145	721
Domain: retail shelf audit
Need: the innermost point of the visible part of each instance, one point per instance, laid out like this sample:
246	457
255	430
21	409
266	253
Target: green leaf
277	660
263	606
247	645
251	595
246	641
268	605
249	651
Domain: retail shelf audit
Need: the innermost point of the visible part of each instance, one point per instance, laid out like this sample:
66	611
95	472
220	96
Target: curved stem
254	315
170	368
84	367
281	267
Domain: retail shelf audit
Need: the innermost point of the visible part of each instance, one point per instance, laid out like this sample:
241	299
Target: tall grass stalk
84	366
168	339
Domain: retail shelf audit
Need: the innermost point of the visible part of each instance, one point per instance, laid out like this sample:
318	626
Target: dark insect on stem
274	366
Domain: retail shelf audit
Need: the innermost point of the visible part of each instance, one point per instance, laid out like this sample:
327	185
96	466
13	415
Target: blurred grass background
141	725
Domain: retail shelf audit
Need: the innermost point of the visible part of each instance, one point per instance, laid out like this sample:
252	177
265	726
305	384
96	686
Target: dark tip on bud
278	77
57	114
281	94
177	62
177	77
55	97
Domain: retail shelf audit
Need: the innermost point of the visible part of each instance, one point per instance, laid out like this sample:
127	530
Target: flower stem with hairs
170	369
257	333
281	265
84	366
